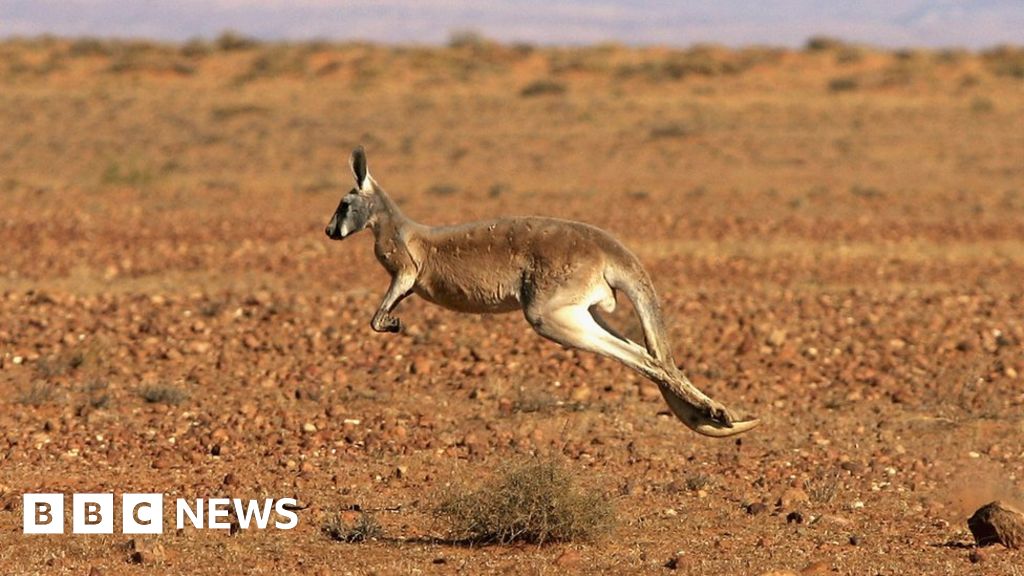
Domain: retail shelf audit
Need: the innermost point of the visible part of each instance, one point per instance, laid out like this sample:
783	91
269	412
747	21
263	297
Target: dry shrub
157	394
40	392
843	84
544	87
274	61
534	501
230	41
1005	61
364	528
824	44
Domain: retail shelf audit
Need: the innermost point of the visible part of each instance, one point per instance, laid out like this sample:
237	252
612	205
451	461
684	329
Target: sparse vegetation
442	189
38	393
276	60
824	489
824	44
545	87
535	501
132	176
60	364
230	41
843	84
162	394
845	264
364	527
1006	61
670	130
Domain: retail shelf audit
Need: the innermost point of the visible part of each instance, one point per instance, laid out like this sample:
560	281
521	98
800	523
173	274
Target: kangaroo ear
359	169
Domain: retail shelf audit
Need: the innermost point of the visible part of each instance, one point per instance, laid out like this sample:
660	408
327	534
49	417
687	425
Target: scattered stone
819	567
976	556
755	508
146	552
854	540
794	518
997	523
568	559
581	394
309	427
851	466
831	520
421	366
792	497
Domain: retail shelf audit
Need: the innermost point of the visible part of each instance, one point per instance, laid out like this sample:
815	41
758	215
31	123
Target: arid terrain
836	234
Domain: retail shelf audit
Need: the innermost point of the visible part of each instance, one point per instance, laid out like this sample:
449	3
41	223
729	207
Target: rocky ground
844	263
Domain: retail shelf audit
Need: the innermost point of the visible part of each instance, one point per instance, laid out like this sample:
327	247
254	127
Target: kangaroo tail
638	288
688	403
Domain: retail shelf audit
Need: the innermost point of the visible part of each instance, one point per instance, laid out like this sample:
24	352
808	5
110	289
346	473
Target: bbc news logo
144	513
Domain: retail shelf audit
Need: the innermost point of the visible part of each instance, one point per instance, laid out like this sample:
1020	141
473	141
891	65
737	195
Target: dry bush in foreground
534	501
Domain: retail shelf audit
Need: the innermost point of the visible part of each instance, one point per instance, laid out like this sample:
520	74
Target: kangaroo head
357	209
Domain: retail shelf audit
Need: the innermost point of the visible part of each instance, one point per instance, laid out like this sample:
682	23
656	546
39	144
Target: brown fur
558	272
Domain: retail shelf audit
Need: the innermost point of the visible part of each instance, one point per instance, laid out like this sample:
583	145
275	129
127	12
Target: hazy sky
969	23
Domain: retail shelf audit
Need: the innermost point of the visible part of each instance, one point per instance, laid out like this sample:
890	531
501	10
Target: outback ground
836	233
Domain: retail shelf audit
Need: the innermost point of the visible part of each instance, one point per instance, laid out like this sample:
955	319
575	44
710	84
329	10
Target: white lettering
183	510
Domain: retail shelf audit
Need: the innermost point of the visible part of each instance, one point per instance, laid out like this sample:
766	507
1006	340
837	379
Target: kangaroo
561	274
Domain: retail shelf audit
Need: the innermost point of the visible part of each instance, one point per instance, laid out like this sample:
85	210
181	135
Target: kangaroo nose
327	231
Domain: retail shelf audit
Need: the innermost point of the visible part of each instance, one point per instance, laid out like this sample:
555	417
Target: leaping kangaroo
560	273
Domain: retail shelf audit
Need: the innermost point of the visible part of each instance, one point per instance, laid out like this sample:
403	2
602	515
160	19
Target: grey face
352	215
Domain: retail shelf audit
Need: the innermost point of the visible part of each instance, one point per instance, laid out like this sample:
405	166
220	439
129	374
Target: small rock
145	552
568	559
854	540
649	391
792	497
794	518
851	466
756	508
421	366
309	427
777	338
997	523
820	567
581	394
976	556
832	520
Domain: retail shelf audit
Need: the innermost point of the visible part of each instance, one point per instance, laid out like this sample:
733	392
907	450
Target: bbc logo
144	513
93	513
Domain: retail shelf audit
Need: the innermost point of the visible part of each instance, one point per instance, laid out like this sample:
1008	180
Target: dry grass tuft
543	87
37	394
163	395
364	528
534	501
